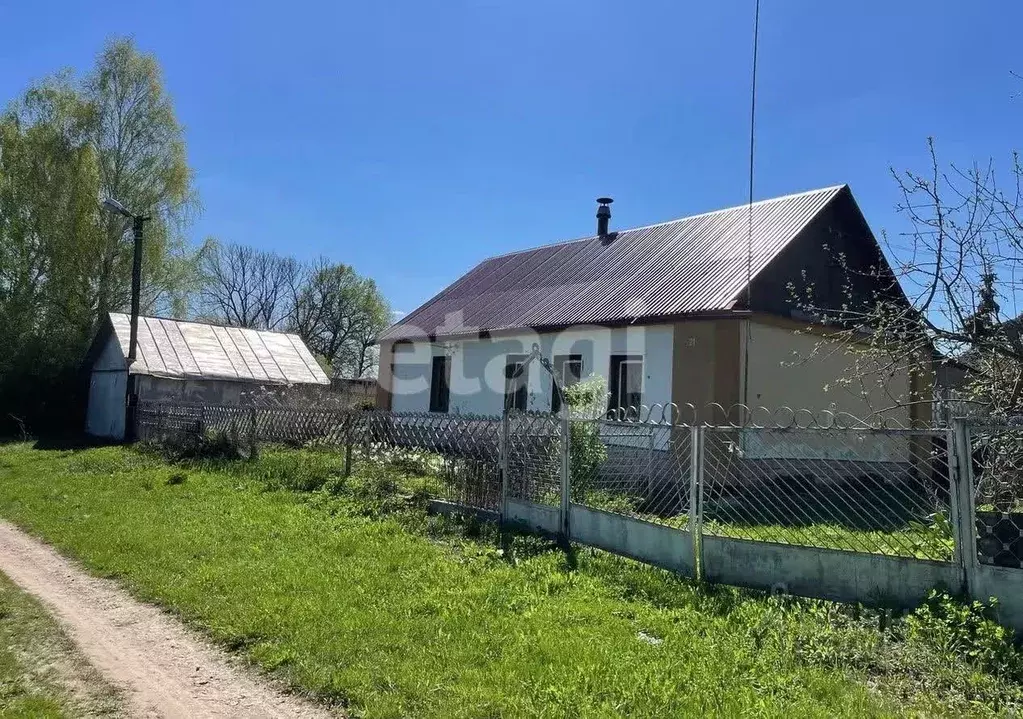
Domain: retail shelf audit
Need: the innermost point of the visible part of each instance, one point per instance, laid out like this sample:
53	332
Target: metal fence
840	510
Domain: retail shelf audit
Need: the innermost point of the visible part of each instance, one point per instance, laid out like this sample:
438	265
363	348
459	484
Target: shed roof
194	350
692	265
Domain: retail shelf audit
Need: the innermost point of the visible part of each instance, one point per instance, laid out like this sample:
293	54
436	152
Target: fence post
503	452
566	479
964	518
650	465
349	424
254	432
696	497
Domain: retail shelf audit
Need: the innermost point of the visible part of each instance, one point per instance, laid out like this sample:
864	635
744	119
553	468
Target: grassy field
41	674
347	590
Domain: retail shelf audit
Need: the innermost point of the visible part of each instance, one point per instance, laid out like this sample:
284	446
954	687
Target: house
694	311
189	362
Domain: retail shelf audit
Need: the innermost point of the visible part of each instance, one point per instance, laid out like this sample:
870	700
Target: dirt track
163	669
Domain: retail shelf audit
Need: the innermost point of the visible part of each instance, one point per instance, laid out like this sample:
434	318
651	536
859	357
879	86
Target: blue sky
412	139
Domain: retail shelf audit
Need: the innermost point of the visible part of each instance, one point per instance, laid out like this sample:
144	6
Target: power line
752	147
749	224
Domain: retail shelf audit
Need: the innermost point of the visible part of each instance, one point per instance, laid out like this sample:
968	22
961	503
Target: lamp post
137	225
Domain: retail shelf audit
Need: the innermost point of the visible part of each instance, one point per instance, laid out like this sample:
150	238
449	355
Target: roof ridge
203	323
560	243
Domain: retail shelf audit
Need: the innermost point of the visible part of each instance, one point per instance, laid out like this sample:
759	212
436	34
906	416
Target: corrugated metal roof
691	265
193	350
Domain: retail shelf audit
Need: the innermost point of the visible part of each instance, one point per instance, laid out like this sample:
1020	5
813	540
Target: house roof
194	350
692	265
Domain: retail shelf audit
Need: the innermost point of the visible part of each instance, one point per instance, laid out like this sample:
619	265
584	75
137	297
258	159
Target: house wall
110	357
706	369
477	366
104	416
192	391
229	392
790	367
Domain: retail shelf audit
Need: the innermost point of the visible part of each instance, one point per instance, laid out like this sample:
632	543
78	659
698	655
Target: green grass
348	591
41	674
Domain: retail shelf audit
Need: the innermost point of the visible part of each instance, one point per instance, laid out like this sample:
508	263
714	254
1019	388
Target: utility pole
138	226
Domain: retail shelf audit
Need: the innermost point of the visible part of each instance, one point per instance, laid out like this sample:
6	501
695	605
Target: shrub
209	445
587	450
958	630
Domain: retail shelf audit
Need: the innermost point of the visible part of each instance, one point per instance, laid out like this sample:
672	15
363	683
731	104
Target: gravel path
163	669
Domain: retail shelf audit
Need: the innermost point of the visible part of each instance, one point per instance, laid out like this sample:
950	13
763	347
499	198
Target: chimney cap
604	200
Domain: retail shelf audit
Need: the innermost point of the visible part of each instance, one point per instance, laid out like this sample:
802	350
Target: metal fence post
254	432
566	478
650	465
964	519
503	451
696	497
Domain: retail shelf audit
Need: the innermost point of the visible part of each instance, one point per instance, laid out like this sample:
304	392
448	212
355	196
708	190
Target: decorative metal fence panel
533	458
461	453
997	464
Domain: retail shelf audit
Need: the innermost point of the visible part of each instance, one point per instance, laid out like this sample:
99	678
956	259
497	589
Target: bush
587	450
958	631
214	445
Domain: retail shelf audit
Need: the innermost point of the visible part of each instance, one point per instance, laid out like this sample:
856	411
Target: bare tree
246	287
952	290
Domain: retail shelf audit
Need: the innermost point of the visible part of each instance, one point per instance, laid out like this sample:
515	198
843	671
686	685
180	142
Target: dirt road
163	669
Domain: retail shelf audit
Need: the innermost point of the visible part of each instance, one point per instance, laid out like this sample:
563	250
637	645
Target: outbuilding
190	362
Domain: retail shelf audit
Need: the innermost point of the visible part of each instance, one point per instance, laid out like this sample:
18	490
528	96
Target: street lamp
137	225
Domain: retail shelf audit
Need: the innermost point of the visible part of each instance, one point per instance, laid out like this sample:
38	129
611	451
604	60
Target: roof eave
702	316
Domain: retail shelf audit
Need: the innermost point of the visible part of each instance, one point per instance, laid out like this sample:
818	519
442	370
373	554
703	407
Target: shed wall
104	416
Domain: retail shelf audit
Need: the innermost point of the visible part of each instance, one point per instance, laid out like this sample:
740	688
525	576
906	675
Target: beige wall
794	368
706	367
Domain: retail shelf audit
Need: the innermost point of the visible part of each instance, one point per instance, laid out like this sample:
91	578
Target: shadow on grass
71	442
59	442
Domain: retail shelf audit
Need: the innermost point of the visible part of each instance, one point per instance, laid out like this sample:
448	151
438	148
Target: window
569	369
440	391
515	387
626	382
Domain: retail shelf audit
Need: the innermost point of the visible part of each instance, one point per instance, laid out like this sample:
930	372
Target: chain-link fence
880	491
857	489
639	469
